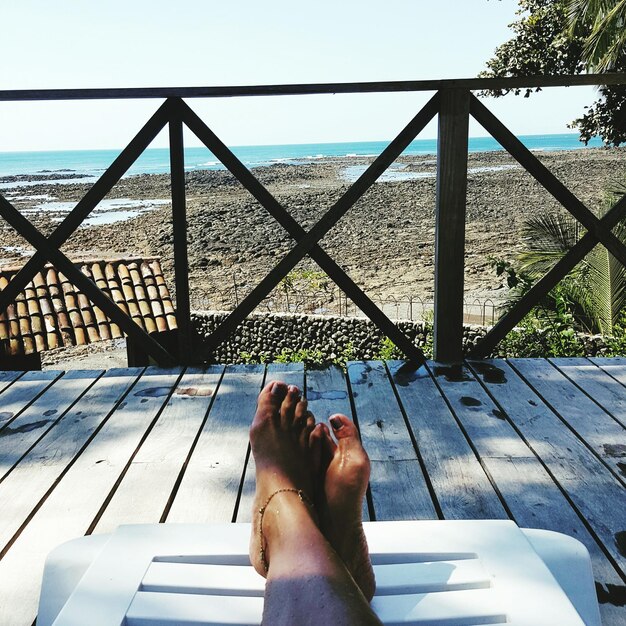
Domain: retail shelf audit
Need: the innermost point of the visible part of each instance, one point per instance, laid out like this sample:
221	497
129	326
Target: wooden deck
542	442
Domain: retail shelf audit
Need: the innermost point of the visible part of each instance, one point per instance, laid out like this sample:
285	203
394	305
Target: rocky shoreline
385	242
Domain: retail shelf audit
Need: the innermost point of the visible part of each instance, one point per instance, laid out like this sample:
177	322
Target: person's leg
344	469
307	583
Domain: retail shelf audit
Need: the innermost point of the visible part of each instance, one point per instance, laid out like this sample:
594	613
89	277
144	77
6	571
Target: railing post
450	224
179	221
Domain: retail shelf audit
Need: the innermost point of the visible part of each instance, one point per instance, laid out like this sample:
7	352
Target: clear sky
159	43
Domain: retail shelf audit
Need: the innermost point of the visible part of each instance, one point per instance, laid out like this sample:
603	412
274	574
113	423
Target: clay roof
50	312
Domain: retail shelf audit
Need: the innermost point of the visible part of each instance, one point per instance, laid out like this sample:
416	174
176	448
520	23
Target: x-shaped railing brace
307	242
598	230
48	248
174	110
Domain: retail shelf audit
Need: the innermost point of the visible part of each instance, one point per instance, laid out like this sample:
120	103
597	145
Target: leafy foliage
314	358
541	45
310	280
608	276
592	297
534	339
606	42
550	40
309	357
606	117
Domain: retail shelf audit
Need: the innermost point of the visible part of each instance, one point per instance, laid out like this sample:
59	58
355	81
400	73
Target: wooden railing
453	102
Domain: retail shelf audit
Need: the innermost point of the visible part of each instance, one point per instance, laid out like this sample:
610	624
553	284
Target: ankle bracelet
303	498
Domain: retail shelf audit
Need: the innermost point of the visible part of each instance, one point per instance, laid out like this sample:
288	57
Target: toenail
293	390
276	390
336	423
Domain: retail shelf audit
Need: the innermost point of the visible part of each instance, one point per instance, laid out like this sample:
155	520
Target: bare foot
345	469
279	438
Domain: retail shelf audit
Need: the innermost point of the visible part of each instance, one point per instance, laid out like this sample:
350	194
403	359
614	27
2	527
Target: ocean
91	163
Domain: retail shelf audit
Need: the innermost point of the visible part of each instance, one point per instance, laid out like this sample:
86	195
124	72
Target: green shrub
533	340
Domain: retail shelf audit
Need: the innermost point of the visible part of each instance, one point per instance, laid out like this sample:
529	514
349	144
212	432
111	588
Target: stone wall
267	336
322	339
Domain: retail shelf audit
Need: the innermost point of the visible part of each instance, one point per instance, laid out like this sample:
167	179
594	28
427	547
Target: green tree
551	37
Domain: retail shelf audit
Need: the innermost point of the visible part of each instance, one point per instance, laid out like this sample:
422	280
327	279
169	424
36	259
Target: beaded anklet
303	498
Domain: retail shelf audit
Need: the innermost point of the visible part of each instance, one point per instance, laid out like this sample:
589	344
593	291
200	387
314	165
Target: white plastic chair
428	572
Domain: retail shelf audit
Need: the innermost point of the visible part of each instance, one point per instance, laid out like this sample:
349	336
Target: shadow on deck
539	441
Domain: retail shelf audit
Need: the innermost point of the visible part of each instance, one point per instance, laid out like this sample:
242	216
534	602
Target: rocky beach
385	242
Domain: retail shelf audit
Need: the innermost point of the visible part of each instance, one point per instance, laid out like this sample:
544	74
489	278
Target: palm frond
607	284
547	238
554	231
594	293
581	12
536	263
605	44
604	21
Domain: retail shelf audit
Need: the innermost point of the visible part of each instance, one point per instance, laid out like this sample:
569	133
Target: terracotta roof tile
50	312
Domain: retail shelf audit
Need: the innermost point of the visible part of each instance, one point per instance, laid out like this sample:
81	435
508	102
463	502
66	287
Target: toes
322	448
288	406
343	427
272	396
268	402
328	447
303	423
315	447
349	448
301	413
309	425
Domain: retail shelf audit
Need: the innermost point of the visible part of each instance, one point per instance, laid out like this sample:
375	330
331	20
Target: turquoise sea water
156	160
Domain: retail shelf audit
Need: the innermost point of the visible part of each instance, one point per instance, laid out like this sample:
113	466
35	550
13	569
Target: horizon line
270	145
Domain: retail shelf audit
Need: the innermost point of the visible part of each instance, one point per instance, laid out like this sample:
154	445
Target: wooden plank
475	84
598	430
145	491
290	374
614	366
22	393
591	487
179	229
327	393
397	484
75	501
450	224
209	489
585	480
25	488
6	378
529	492
36	420
597	384
461	486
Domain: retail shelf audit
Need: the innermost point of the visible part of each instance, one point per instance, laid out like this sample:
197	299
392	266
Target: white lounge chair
428	572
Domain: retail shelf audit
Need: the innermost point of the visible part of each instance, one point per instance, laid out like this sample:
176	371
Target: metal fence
332	301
